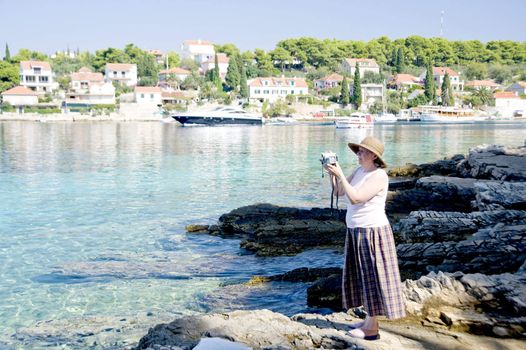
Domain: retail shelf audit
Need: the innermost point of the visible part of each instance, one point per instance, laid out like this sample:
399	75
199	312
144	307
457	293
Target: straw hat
372	144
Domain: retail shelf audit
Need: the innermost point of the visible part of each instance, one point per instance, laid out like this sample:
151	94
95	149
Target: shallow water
92	215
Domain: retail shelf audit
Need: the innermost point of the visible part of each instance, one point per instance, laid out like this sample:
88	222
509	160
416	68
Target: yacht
356	120
223	115
445	114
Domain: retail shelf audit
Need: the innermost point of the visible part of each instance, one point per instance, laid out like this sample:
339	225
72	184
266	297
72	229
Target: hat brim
355	147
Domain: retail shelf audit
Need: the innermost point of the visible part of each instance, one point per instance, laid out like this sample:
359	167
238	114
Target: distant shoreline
75	117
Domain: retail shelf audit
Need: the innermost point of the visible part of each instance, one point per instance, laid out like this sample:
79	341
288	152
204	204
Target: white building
197	50
148	95
124	73
20	96
328	82
508	104
483	84
404	82
37	76
222	63
371	93
272	89
364	65
176	72
438	76
88	88
159	56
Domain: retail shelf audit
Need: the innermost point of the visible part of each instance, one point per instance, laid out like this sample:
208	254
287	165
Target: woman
370	273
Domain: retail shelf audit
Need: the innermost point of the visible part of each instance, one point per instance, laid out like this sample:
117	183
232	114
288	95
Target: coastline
78	117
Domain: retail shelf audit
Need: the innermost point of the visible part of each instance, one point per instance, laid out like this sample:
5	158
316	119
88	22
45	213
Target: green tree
446	94
7	56
344	92
476	70
357	88
400	60
9	75
173	59
281	56
233	76
264	63
243	87
147	69
429	86
216	76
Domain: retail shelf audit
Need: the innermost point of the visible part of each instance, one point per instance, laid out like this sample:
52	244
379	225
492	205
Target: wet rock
197	228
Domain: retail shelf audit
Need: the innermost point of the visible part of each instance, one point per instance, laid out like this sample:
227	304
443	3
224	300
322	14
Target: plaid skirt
370	272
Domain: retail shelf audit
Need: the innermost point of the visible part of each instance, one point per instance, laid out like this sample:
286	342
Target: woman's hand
335	170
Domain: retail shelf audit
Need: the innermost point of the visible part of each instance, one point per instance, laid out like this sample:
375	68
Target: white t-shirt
372	212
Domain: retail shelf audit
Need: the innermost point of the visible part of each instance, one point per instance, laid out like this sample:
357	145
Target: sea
93	246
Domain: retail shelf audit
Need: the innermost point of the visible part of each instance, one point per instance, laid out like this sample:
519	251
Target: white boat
223	115
355	120
407	115
443	114
281	120
385	118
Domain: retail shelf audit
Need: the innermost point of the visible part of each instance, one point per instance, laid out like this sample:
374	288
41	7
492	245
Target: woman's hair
377	162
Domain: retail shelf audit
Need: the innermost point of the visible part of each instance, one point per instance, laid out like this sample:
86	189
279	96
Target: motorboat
223	115
407	115
385	118
355	120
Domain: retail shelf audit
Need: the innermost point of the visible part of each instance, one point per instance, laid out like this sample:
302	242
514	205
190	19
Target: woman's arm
374	184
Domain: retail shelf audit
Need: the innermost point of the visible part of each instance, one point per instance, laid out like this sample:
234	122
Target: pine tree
233	76
243	87
444	94
400	60
216	75
357	89
344	93
7	56
429	87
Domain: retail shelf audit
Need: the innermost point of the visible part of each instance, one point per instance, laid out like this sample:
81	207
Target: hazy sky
52	25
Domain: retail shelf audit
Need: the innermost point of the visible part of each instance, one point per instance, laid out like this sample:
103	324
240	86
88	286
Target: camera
328	158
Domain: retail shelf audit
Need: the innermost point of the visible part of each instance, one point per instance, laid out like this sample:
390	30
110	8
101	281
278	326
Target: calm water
92	215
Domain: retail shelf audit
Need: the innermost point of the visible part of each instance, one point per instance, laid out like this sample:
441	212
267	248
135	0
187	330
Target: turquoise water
92	215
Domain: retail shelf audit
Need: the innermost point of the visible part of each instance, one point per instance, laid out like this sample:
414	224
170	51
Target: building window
151	96
115	74
37	70
292	83
30	78
257	91
265	92
265	82
142	95
43	79
292	92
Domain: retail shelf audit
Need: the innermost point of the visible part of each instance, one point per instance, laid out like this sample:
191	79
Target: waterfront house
519	88
197	50
371	93
328	82
438	76
37	76
271	88
89	88
222	63
148	95
404	82
483	84
509	104
364	64
20	97
124	73
84	78
159	56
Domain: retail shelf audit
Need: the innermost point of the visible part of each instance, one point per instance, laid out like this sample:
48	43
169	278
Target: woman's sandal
359	334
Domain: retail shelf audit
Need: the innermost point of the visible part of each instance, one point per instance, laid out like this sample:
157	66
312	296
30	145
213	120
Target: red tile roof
175	70
175	94
486	83
405	78
20	90
30	64
221	58
442	71
332	77
85	70
87	76
155	52
197	42
139	89
279	82
369	62
120	66
505	94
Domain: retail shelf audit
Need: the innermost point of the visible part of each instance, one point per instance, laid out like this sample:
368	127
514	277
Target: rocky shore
460	227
